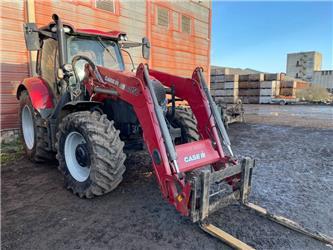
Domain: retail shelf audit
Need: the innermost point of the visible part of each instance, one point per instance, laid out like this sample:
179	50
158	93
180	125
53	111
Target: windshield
102	52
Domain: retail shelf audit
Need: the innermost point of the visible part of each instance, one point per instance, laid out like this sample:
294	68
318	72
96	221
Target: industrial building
324	78
302	65
179	32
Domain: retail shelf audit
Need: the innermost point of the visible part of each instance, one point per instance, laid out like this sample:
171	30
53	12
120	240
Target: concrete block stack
224	88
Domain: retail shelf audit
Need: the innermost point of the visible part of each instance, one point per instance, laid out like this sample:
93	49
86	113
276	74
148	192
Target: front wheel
90	154
283	102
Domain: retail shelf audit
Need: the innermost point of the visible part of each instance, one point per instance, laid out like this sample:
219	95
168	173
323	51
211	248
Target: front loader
84	109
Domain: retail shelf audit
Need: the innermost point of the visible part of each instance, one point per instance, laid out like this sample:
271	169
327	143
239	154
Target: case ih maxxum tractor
83	108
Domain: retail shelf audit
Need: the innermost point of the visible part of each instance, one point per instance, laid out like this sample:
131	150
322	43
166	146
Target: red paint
185	151
94	32
40	94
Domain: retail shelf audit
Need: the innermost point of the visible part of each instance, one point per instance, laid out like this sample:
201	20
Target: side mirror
31	36
145	48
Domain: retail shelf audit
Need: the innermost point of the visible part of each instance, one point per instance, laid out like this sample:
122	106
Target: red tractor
83	108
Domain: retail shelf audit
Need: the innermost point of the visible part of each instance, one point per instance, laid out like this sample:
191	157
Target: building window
296	75
297	63
186	24
175	21
162	17
107	5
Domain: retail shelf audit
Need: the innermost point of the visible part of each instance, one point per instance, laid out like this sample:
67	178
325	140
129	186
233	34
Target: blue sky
259	35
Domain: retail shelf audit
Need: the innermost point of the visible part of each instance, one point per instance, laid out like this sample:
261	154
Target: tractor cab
58	45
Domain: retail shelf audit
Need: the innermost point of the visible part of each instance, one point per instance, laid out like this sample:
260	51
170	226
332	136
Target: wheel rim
77	156
28	127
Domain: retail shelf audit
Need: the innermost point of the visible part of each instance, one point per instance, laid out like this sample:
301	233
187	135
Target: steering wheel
90	62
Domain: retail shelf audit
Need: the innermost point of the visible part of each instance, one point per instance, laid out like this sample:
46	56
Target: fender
39	91
81	105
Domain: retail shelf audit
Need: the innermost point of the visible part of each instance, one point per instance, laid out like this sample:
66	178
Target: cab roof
87	32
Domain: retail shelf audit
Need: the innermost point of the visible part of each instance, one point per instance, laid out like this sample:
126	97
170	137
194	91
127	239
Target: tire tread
107	167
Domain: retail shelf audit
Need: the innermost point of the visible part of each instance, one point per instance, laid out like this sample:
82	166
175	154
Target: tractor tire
90	154
33	135
185	120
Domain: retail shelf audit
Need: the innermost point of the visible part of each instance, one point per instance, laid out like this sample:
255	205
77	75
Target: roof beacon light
66	29
123	37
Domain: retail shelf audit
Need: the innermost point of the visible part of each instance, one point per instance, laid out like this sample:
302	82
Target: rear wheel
185	120
34	136
90	154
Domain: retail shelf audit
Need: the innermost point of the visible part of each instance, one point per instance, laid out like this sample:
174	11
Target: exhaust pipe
61	39
61	48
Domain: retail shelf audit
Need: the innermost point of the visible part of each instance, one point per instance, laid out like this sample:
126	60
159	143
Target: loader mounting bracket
202	193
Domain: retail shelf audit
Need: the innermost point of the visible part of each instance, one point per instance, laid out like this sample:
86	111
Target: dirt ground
293	148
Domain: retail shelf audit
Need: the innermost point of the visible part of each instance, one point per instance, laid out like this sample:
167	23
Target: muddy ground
293	177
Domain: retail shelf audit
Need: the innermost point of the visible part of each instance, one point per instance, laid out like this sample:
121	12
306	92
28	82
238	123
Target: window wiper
103	45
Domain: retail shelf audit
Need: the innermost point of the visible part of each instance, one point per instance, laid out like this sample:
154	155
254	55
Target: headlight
67	30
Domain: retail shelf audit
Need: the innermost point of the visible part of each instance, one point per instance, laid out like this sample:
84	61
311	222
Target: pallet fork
240	195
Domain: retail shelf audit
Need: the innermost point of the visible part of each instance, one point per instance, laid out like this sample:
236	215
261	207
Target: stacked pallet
270	87
249	87
252	88
224	88
290	87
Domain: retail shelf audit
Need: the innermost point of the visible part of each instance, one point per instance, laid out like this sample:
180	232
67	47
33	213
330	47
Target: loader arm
170	173
190	90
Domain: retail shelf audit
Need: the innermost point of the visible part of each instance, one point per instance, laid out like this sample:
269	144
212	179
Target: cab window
101	51
47	61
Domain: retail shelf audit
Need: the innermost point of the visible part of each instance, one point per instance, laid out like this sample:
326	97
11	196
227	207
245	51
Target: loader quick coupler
211	190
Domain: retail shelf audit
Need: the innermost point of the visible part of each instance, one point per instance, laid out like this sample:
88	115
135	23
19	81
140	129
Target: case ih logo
129	89
114	82
194	157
